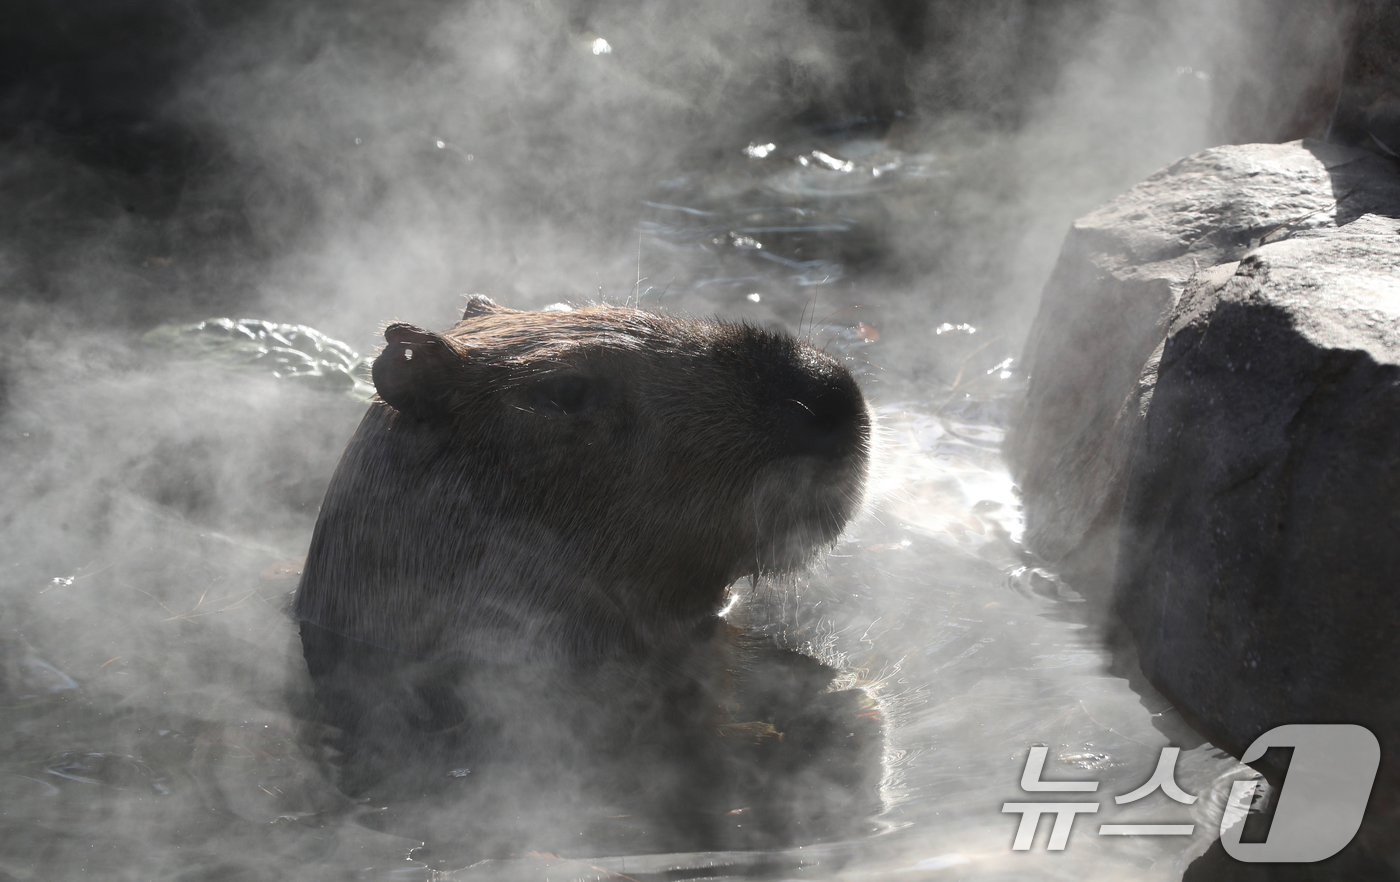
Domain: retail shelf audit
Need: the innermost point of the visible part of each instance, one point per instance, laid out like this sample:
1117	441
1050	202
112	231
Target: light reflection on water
978	658
146	731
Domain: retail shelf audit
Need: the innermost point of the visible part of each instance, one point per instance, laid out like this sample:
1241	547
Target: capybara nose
809	405
824	415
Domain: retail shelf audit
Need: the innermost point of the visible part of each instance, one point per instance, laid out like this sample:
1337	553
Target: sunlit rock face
1093	350
1208	436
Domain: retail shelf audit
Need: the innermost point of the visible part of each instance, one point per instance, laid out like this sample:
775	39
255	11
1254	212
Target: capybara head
536	484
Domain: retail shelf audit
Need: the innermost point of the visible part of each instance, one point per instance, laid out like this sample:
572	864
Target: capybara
523	554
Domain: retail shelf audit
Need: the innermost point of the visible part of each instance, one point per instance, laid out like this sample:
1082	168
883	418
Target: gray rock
1259	568
1227	335
1106	308
1211	439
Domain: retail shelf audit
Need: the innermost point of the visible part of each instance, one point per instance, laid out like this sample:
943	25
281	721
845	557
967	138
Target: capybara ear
412	373
480	304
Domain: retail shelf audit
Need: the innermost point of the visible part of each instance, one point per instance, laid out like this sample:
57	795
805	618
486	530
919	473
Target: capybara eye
566	394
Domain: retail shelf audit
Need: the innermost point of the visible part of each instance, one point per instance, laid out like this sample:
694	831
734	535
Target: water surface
149	678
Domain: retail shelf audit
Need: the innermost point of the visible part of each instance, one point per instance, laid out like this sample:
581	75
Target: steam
340	165
486	147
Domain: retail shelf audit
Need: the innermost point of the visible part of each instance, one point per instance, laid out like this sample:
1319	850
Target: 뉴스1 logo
1317	813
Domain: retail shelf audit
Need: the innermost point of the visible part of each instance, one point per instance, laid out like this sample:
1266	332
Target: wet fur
525	547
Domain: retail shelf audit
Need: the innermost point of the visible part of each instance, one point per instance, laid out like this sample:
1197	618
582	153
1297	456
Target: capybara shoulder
553	485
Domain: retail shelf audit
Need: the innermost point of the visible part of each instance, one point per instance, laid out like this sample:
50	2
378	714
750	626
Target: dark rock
1209	440
1258	568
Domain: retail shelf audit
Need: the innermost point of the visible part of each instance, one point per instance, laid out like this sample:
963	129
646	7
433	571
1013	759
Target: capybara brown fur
525	548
